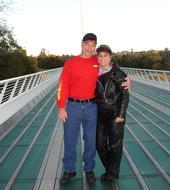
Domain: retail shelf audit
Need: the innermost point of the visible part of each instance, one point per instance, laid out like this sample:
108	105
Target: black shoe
66	177
108	177
103	176
90	177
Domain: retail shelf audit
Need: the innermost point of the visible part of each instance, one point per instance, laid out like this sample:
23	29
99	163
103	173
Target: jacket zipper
101	86
104	90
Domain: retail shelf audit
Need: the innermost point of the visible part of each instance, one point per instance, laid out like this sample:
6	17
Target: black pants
109	140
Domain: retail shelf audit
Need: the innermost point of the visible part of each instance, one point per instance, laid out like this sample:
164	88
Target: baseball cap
105	48
89	36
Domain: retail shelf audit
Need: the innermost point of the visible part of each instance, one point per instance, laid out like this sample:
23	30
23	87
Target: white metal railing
14	87
159	76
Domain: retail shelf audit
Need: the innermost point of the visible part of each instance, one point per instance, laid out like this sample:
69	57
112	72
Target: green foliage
13	59
15	64
50	61
146	60
7	42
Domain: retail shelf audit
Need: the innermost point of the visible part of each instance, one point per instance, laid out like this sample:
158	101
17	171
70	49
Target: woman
112	101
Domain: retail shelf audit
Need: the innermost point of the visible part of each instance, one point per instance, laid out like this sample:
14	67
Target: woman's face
104	59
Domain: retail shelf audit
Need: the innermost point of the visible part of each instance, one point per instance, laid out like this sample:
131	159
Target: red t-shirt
78	79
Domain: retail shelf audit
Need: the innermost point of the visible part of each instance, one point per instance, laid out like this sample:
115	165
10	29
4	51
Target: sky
58	25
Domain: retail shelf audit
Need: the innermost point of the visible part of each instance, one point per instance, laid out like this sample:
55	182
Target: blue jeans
85	114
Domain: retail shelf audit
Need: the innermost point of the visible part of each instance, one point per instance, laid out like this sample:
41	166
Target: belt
81	100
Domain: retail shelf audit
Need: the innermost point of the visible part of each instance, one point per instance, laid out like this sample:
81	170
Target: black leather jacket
110	93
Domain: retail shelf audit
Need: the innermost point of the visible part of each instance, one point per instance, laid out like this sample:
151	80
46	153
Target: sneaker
90	177
67	177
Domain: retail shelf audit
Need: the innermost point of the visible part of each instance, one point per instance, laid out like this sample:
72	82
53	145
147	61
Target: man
75	102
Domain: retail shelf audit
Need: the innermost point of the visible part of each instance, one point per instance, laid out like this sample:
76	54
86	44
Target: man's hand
127	83
119	120
62	114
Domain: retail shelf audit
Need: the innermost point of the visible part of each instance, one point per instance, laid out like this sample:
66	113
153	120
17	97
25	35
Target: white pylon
81	18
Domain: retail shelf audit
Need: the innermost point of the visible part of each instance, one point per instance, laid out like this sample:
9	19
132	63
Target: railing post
157	76
133	72
142	74
138	75
35	78
13	90
146	75
3	92
28	85
39	79
152	76
23	84
167	81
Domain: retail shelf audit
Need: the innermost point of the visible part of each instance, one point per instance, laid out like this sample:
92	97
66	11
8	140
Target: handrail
13	87
159	76
10	88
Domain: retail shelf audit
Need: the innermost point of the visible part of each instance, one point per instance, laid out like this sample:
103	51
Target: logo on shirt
95	66
59	92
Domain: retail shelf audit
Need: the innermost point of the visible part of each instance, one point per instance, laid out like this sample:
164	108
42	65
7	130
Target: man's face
104	59
88	48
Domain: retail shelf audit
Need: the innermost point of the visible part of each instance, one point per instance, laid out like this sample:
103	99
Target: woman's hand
119	120
127	83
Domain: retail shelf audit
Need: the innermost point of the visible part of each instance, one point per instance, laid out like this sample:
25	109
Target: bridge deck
31	153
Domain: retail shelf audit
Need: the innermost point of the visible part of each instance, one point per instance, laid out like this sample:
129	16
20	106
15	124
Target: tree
165	61
13	58
5	5
17	63
50	61
7	42
42	53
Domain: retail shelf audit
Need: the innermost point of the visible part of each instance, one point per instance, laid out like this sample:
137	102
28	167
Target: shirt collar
105	70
